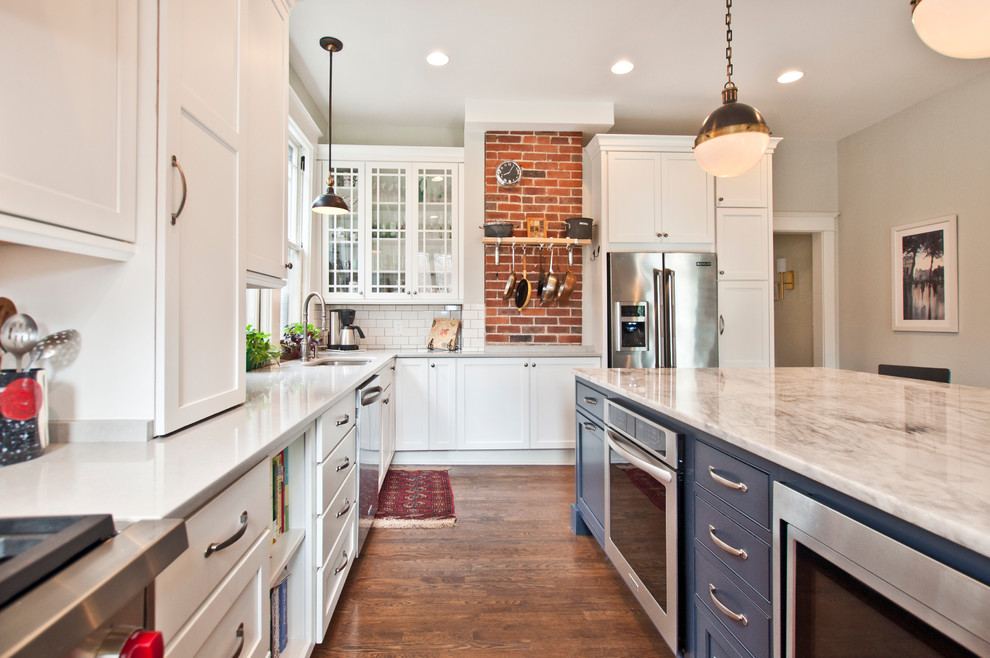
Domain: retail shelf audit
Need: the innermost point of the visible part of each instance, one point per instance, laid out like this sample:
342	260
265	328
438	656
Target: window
297	219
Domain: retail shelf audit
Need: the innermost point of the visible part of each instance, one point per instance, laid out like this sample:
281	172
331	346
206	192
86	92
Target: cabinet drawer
334	424
232	616
743	486
335	517
189	580
330	578
710	642
591	401
713	584
712	526
334	470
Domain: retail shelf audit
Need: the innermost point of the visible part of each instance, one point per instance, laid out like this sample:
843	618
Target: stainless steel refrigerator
662	310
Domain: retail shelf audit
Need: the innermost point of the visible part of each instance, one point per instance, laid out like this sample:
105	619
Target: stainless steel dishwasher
369	440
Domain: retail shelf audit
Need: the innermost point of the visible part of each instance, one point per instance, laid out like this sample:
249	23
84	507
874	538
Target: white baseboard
562	457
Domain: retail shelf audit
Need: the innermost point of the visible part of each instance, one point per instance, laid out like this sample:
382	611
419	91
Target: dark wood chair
915	372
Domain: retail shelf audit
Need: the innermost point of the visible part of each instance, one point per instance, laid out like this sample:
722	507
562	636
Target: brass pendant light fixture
734	137
329	203
956	28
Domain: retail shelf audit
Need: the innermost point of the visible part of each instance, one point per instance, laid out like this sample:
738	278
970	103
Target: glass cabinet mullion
342	234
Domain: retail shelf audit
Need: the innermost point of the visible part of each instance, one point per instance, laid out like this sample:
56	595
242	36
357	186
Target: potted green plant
292	338
260	352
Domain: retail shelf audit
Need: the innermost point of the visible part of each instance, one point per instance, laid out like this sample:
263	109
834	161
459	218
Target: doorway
808	312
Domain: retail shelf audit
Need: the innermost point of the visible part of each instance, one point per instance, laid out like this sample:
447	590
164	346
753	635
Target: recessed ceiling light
790	76
622	67
437	58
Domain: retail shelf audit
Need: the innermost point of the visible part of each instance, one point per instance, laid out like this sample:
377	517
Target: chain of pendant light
728	43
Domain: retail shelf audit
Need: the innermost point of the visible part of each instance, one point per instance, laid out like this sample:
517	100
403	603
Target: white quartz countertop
918	450
175	475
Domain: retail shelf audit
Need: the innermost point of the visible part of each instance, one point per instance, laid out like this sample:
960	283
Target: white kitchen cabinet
425	403
493	403
652	192
745	324
748	190
68	166
517	403
267	100
552	400
401	240
200	345
744	244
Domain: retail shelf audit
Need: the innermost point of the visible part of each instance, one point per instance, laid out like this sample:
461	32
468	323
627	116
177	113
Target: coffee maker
343	332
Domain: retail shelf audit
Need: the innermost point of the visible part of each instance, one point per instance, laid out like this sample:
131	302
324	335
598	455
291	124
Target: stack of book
280	624
280	499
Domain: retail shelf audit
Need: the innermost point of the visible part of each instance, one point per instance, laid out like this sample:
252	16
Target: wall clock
508	173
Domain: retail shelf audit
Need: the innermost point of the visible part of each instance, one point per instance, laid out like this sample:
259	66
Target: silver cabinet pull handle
347	462
182	175
590	400
738	552
721	325
341	567
721	606
346	509
590	427
343	421
741	486
229	541
385	401
239	634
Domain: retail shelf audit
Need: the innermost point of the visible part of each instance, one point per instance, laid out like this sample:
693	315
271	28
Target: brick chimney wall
550	188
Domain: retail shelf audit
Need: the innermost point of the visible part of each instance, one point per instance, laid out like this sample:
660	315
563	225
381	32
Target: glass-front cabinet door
388	230
342	235
434	266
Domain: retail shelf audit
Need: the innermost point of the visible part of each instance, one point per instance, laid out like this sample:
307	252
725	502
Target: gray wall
792	315
805	172
927	161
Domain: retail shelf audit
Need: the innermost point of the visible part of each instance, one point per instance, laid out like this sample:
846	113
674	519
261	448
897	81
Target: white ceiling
862	59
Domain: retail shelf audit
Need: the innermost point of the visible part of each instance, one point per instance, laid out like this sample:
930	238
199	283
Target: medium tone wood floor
509	577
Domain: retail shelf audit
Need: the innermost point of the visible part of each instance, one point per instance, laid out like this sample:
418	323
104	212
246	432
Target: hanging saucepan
542	281
523	289
567	285
510	282
550	289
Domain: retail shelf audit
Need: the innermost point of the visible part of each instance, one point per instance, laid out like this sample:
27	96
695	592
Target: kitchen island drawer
220	534
231	622
735	546
333	425
591	401
331	575
334	519
726	602
335	469
743	486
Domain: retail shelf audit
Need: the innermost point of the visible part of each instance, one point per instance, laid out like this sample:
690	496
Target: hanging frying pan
550	288
567	285
523	288
510	281
542	281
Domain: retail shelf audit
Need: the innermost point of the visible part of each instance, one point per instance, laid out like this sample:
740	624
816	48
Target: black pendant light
329	203
733	138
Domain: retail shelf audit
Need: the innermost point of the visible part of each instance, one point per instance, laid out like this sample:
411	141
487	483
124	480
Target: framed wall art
536	227
925	271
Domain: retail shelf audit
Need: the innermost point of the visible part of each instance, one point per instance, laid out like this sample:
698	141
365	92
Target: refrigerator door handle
659	320
671	311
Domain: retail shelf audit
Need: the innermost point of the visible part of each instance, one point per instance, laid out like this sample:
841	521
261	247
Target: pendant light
734	137
957	28
329	203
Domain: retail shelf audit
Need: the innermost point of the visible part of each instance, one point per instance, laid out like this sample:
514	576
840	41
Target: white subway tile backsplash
403	326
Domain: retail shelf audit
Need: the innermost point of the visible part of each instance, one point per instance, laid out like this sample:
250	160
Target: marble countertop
918	450
175	475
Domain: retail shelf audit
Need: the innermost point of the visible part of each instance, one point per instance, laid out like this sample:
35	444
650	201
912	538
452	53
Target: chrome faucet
304	352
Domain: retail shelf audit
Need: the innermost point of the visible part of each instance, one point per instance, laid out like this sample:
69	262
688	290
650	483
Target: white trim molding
824	228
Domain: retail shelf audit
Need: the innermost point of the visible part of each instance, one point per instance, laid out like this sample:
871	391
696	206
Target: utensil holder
23	415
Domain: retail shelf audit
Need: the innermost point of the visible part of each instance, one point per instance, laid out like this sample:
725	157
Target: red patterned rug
415	499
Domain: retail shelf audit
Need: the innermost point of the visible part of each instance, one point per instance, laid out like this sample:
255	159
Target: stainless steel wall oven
643	500
843	589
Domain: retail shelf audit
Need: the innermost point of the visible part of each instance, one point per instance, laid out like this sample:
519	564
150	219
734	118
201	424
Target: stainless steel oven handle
738	552
741	486
721	606
655	471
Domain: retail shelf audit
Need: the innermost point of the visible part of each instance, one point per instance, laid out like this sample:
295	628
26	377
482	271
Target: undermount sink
333	361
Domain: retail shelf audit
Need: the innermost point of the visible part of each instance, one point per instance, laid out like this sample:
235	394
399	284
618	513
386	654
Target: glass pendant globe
956	28
732	154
